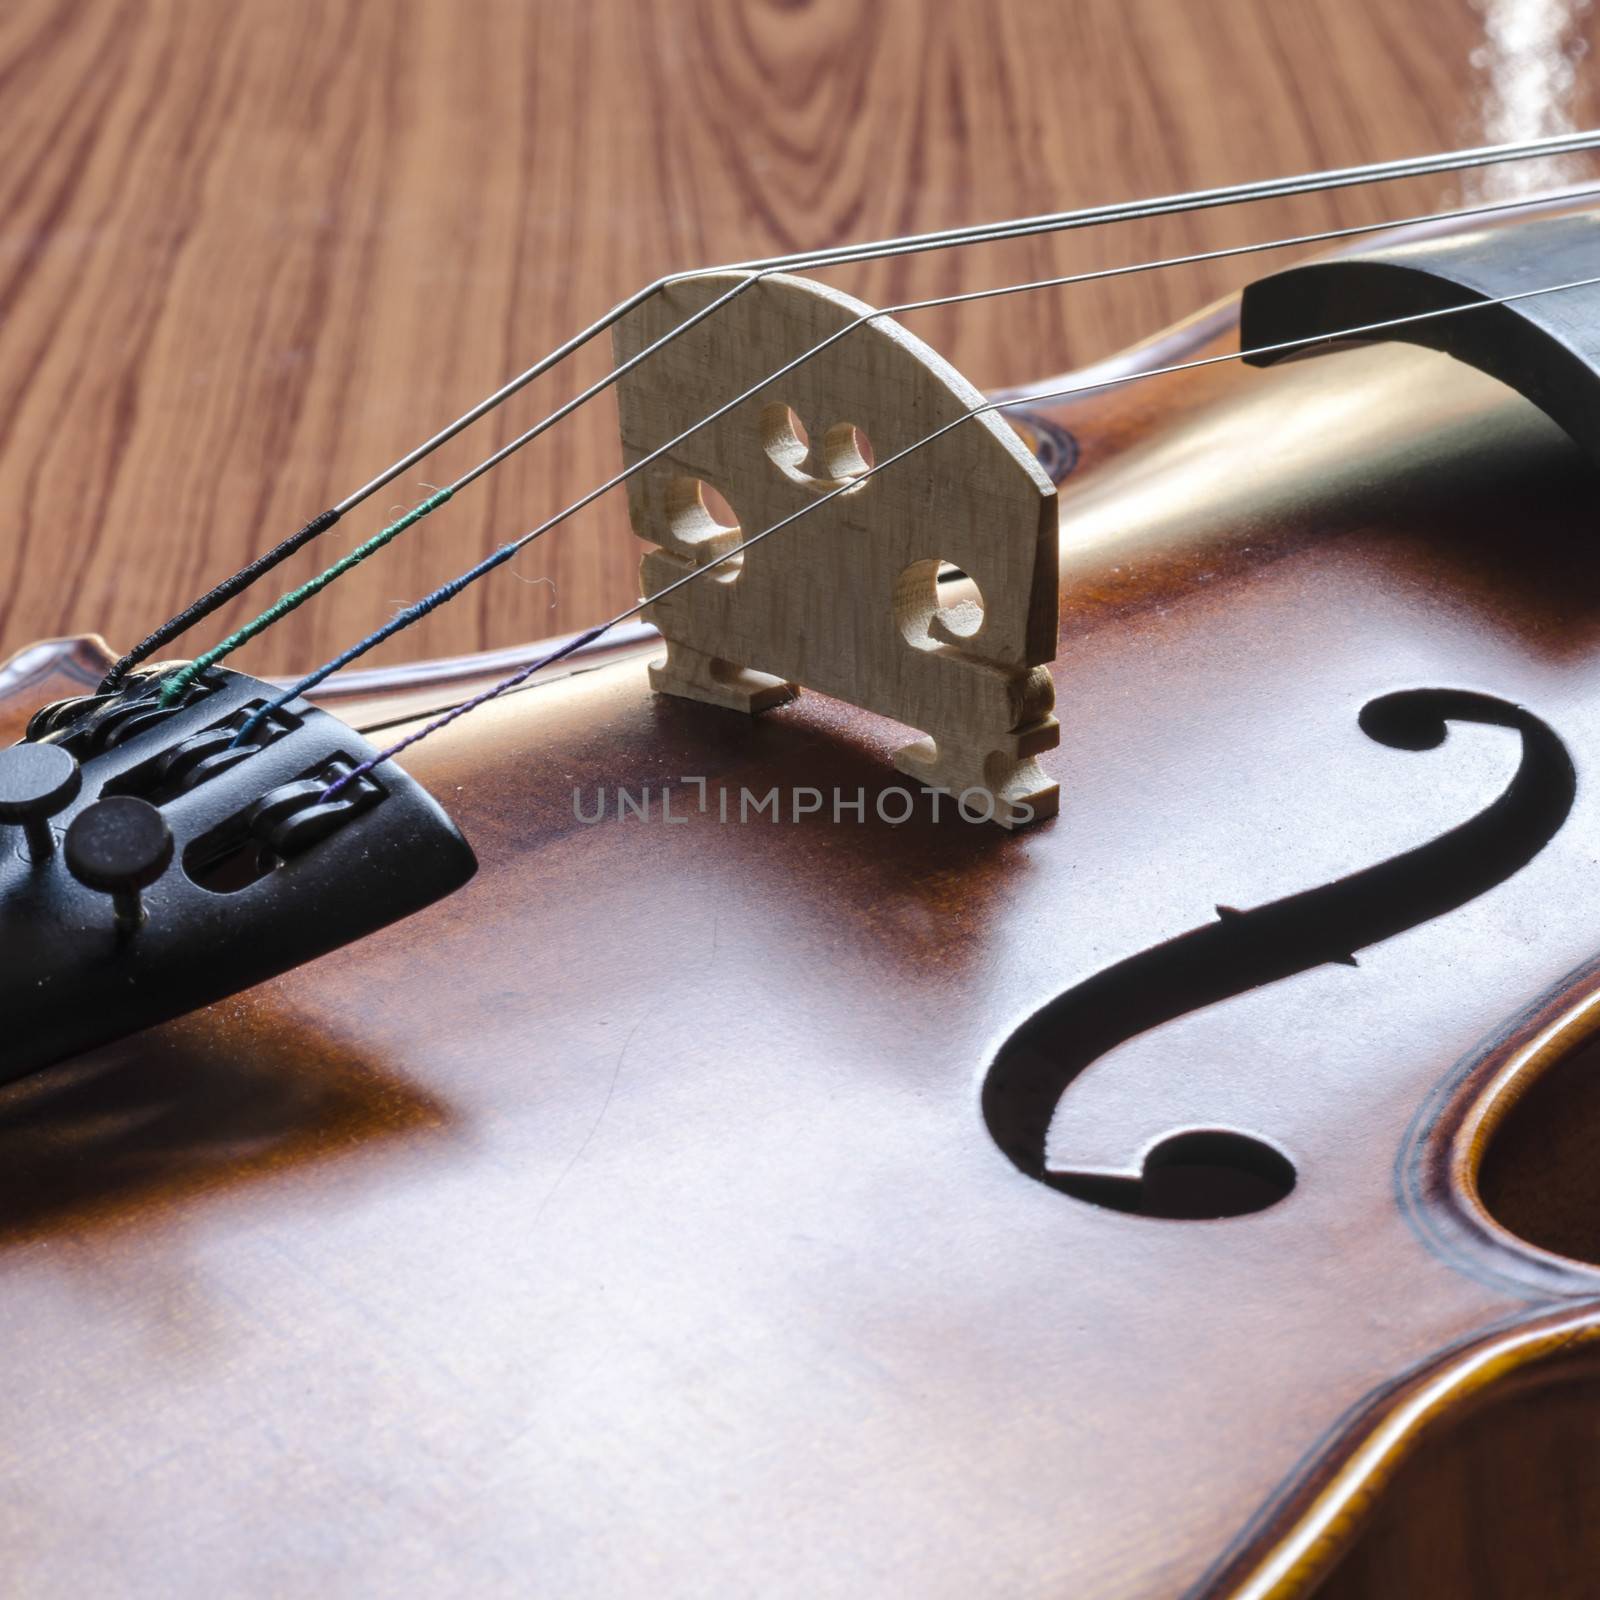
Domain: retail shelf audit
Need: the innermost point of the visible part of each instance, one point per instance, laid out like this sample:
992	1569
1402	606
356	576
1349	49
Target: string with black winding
217	597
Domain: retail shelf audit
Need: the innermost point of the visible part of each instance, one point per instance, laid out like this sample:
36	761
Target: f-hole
1201	1174
1247	949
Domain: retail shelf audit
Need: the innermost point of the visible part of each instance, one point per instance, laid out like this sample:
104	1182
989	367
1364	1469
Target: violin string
447	591
281	608
909	244
216	597
995	232
172	689
520	677
313	586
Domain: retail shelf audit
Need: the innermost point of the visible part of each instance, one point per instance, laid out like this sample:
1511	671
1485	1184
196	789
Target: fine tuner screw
37	781
119	846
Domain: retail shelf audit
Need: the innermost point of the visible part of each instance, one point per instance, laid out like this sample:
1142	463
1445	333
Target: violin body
651	1216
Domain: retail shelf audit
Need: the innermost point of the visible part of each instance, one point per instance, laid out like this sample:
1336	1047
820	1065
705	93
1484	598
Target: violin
1030	1032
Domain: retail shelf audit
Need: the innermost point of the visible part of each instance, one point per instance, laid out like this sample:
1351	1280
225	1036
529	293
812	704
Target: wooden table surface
253	251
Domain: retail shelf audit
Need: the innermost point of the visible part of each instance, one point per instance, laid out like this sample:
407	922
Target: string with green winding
172	690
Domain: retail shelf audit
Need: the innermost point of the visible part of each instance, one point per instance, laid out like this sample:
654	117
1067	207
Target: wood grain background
253	250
